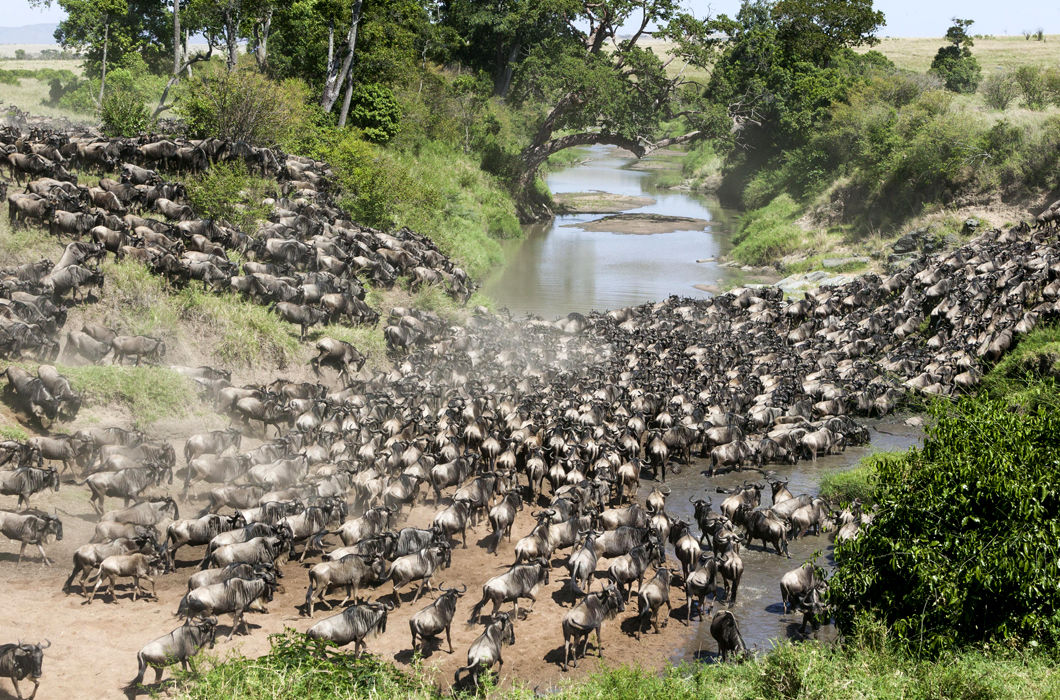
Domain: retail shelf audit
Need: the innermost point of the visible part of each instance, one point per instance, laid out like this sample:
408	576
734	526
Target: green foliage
123	114
1027	376
148	393
816	30
954	64
999	90
13	432
957	553
242	105
131	27
298	667
1031	82
374	109
239	333
767	234
857	483
227	192
865	668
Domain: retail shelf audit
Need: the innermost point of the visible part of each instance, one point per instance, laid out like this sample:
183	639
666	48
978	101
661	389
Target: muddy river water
561	268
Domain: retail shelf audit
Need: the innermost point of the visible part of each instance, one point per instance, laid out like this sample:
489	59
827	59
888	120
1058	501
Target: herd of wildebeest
478	419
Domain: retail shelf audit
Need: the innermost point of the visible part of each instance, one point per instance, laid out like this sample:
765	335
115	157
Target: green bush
298	667
1031	82
374	109
963	548
954	64
242	105
227	192
123	113
999	90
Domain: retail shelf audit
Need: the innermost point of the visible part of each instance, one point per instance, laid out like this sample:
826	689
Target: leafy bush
242	105
227	192
1031	83
123	113
999	90
375	111
298	667
962	548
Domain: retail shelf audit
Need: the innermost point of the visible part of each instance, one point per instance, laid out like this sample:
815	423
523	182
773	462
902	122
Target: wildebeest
726	633
137	566
435	618
501	518
631	567
520	581
763	525
587	616
213	442
339	355
351	571
126	484
198	531
89	556
651	597
235	596
33	397
31	528
353	624
797	582
485	651
138	347
26	481
179	645
19	661
418	566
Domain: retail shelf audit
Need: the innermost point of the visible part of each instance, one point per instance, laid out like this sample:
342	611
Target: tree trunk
176	37
345	111
103	74
231	27
261	40
503	81
335	78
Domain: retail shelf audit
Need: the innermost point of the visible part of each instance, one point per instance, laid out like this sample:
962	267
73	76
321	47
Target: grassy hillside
992	52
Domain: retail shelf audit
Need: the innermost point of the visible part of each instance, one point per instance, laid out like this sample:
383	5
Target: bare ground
93	652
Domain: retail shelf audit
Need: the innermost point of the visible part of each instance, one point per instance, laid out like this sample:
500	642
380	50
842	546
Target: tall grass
1027	376
239	333
149	393
767	234
858	482
303	669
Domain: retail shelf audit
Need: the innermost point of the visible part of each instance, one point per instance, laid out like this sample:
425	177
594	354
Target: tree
496	35
606	90
815	30
954	64
117	28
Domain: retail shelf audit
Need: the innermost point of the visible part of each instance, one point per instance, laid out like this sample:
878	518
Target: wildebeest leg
448	639
20	551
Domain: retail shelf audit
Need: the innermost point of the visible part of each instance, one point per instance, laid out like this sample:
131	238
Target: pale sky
904	17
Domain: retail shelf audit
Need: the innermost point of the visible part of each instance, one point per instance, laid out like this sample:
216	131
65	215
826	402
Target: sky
905	18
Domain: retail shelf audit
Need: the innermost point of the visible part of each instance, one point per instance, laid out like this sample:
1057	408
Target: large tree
603	89
117	27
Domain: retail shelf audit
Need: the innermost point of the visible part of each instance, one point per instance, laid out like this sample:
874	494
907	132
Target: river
561	268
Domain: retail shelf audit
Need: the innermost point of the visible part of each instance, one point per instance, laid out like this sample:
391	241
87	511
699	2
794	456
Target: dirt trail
93	652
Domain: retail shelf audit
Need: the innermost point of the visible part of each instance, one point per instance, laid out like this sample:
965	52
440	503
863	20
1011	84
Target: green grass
858	482
149	393
1027	376
992	53
368	340
26	244
239	333
767	234
12	432
297	668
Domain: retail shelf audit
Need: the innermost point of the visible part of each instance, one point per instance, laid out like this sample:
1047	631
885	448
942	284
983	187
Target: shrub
123	113
229	193
375	111
961	551
242	105
999	90
1031	83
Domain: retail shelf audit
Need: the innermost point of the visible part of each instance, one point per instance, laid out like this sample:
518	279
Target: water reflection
561	268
